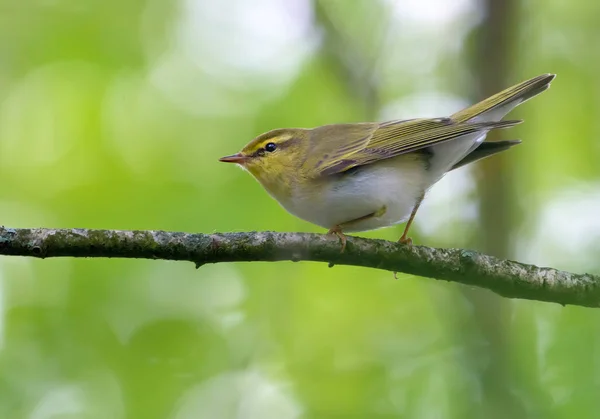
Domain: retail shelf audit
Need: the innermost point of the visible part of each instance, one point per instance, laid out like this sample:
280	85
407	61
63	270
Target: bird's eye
271	147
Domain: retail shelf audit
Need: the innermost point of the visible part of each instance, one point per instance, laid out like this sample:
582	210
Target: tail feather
484	150
496	107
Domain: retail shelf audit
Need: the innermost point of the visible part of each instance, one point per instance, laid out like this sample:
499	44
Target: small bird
365	176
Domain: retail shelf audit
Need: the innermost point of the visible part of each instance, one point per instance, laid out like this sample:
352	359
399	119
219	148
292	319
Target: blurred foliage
113	115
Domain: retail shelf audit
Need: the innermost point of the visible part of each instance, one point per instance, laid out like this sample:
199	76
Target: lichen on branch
507	278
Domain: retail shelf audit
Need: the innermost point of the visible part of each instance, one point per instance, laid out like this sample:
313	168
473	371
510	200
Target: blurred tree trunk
356	66
494	175
497	197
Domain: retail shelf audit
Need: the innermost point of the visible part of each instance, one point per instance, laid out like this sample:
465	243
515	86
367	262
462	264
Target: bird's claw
405	240
338	232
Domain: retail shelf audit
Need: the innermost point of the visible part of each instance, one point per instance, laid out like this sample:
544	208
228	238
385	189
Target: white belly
387	188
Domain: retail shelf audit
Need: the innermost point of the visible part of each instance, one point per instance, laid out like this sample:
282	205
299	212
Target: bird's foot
405	240
338	232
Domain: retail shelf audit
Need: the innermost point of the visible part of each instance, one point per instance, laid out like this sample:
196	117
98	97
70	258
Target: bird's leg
404	239
338	229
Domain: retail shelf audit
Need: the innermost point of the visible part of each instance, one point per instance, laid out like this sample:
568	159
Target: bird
354	177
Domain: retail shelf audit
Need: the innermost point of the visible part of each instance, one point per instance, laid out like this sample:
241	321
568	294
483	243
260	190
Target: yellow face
273	158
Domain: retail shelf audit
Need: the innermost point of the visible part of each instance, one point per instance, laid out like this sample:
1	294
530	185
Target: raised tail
496	107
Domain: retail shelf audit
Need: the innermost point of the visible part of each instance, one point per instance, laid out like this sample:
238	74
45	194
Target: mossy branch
504	277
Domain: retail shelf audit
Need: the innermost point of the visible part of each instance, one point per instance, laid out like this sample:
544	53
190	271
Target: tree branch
507	278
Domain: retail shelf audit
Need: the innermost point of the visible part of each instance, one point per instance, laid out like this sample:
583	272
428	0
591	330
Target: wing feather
506	100
338	148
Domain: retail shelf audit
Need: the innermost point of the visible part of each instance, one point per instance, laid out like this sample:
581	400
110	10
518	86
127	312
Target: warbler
363	176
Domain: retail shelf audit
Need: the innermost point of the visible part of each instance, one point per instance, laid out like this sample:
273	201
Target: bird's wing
337	148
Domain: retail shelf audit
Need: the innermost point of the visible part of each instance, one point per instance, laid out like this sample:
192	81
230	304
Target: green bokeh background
113	115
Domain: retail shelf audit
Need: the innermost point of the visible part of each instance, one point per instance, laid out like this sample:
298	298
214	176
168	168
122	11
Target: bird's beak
234	158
